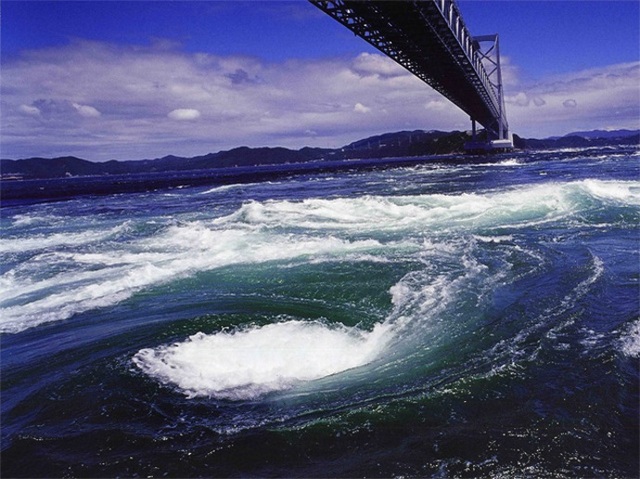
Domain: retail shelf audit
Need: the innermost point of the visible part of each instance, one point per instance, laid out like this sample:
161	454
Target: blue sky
141	79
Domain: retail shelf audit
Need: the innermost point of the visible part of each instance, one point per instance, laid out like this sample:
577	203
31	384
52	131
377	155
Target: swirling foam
79	269
95	280
245	364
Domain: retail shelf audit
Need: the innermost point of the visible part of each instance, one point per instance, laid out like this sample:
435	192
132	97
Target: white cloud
582	100
523	99
375	64
184	114
139	93
520	99
29	110
436	105
360	108
86	110
511	77
538	101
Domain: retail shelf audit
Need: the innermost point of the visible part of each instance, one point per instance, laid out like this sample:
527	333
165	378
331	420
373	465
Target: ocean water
447	320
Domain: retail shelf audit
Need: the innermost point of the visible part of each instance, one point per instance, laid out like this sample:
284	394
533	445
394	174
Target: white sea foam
78	270
494	239
625	192
219	189
21	244
528	206
511	162
28	220
630	340
247	363
41	242
93	280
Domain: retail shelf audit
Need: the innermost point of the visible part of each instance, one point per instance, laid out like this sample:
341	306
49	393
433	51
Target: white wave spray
245	364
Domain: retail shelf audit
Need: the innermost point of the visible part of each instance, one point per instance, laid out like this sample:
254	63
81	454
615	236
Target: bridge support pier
479	145
482	146
476	147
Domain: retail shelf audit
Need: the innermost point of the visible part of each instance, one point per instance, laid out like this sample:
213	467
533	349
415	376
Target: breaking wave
72	272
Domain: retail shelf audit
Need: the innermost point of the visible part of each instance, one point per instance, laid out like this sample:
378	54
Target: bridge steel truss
430	39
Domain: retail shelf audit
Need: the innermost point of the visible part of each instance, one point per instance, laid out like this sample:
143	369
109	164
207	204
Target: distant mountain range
601	134
398	144
580	139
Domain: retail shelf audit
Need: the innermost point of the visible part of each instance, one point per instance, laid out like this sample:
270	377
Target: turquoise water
439	319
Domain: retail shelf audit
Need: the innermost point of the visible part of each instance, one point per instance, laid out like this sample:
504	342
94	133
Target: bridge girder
430	39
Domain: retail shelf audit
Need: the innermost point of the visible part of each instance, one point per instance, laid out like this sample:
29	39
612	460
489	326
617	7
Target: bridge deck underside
417	36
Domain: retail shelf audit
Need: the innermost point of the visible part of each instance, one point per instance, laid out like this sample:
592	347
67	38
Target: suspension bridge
430	39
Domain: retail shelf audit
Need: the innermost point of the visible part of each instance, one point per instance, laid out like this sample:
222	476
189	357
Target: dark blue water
449	320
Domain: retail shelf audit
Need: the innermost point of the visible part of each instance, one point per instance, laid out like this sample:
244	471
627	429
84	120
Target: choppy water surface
447	320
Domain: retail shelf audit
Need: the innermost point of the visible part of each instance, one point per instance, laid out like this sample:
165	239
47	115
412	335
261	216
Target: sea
438	317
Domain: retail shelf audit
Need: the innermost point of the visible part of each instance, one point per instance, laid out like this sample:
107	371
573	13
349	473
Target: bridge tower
498	134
